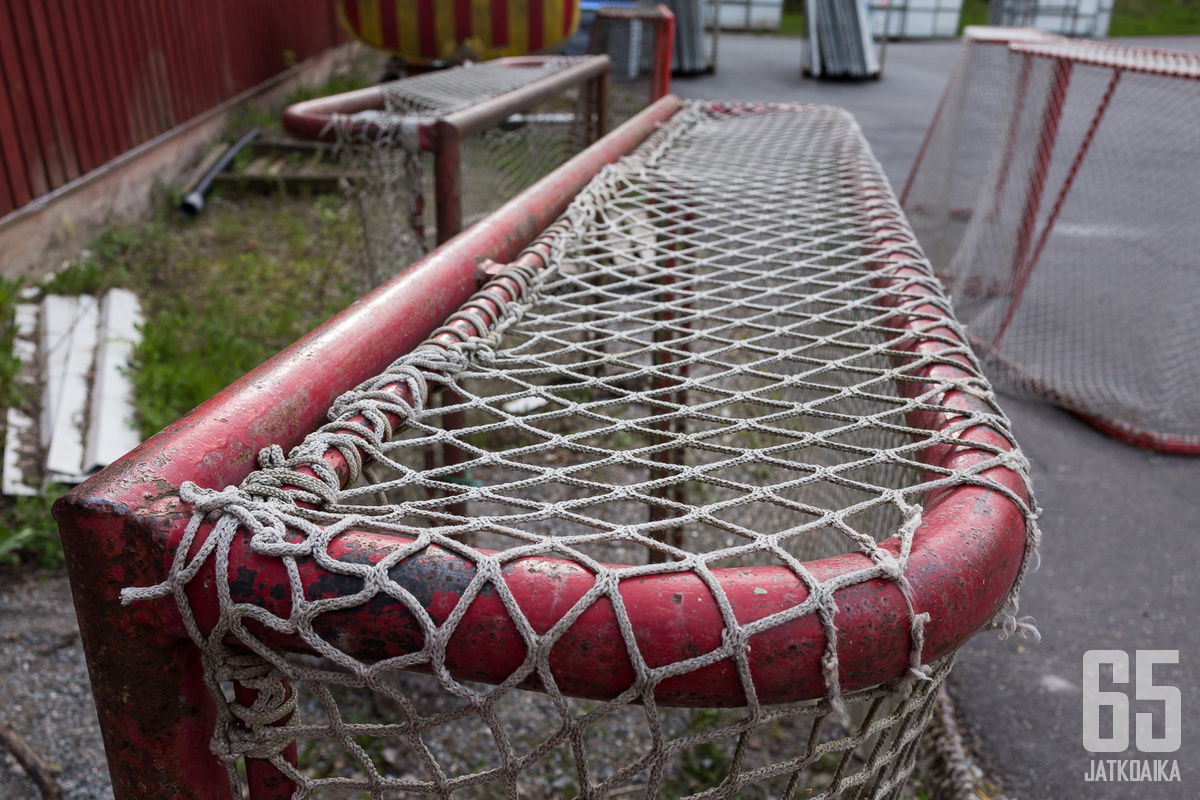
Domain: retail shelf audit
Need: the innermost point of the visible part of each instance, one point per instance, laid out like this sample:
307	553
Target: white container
916	19
751	15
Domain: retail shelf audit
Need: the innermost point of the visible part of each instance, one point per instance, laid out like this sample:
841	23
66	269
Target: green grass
792	22
10	393
1130	17
28	534
220	294
974	12
1155	18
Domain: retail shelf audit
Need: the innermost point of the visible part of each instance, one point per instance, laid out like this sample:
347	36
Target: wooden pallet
295	167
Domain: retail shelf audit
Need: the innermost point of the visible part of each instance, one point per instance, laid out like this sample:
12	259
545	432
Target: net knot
246	734
268	484
271	457
206	501
890	567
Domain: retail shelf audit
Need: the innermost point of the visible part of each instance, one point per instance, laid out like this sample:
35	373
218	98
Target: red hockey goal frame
122	528
443	135
1041	211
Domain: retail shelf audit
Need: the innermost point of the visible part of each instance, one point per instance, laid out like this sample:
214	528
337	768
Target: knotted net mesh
570	552
391	179
1074	267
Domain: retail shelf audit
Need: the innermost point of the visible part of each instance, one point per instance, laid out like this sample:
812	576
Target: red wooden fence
82	81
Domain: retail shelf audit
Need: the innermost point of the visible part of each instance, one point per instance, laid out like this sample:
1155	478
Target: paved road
1120	525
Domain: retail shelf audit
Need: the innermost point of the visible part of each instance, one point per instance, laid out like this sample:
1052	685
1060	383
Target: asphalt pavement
1120	525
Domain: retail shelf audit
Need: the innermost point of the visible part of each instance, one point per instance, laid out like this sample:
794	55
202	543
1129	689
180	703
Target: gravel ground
44	689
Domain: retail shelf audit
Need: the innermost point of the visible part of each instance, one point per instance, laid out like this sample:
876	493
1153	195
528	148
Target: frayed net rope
645	298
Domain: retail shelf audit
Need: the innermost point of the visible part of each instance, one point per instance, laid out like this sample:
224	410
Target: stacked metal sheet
691	47
77	350
841	43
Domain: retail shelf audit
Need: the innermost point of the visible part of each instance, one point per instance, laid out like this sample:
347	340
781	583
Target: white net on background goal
1074	268
727	360
974	116
640	42
392	177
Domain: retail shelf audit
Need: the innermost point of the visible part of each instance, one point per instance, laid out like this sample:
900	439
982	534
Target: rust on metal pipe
493	111
313	119
446	180
966	556
119	528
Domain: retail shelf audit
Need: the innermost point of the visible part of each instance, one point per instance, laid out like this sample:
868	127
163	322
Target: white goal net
715	415
1073	265
392	178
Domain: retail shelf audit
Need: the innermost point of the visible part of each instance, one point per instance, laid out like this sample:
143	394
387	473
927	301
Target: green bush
28	534
10	392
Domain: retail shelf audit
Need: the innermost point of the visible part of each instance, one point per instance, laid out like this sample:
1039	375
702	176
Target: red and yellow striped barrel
424	31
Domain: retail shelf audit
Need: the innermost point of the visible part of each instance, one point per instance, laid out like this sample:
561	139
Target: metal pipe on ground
193	201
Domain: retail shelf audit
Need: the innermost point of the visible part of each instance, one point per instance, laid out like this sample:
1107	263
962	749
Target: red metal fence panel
82	81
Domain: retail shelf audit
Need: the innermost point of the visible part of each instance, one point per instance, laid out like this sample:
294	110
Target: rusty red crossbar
122	529
443	135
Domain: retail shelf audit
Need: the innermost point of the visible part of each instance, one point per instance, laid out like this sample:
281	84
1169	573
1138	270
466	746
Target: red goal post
122	528
974	111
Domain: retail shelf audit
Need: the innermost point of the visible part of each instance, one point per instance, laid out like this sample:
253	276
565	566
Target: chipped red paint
122	528
119	528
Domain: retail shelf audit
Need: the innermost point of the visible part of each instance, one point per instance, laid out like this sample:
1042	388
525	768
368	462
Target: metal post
447	180
1037	185
664	47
